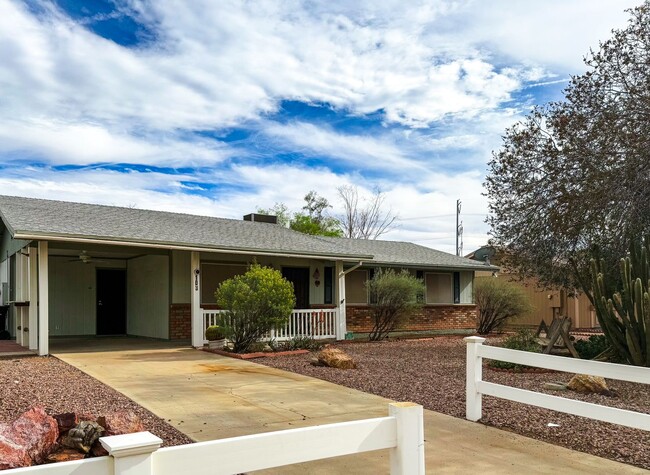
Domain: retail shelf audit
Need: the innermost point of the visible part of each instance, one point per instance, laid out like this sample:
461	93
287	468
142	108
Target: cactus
624	315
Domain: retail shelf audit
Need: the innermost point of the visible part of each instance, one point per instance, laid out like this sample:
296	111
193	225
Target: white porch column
43	299
197	315
33	299
340	302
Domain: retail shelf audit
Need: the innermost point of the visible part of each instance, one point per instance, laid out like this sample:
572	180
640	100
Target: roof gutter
176	247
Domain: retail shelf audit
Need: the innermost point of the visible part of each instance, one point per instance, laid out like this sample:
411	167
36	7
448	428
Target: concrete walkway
207	397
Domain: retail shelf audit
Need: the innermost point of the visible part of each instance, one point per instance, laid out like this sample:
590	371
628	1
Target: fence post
408	457
473	398
132	453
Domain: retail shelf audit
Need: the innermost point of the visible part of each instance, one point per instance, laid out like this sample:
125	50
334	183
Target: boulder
118	423
13	455
65	455
66	421
585	384
98	450
34	431
83	436
335	358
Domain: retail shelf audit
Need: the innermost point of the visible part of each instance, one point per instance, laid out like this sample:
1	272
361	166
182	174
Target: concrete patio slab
208	396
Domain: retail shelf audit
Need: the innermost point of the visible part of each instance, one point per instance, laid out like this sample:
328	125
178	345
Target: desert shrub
498	302
255	303
396	296
523	340
214	332
592	347
300	343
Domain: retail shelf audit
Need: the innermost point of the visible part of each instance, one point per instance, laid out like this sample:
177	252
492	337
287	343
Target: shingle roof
32	218
35	217
406	254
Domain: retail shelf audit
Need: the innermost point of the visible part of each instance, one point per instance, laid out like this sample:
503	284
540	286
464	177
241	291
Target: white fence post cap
474	339
126	445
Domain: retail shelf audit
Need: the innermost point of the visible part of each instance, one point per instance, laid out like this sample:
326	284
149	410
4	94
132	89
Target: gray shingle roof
36	217
406	254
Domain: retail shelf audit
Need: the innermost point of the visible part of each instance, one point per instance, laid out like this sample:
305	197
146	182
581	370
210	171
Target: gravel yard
432	373
59	387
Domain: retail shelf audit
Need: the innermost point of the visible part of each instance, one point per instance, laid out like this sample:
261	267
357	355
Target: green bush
300	343
255	303
396	296
498	302
523	340
214	332
592	347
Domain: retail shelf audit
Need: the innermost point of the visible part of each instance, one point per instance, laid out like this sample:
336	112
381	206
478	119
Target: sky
222	107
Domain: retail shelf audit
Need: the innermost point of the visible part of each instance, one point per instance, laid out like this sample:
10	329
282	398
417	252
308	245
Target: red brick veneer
180	321
430	317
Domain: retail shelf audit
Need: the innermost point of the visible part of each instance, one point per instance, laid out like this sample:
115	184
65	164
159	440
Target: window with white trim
212	274
355	287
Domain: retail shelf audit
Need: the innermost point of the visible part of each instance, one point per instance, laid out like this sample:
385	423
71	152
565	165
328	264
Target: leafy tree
256	302
281	211
574	176
364	219
498	302
397	295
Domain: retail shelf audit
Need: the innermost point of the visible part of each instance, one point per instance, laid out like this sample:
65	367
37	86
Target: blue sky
218	108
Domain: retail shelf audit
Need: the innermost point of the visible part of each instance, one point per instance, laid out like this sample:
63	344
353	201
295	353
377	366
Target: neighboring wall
148	296
73	296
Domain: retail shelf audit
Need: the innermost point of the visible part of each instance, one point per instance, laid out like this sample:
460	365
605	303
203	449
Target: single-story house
71	269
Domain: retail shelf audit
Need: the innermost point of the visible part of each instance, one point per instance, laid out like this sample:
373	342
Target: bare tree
364	219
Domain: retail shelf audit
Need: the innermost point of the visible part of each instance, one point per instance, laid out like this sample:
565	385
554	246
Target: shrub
255	303
498	302
592	347
523	340
396	296
299	343
214	332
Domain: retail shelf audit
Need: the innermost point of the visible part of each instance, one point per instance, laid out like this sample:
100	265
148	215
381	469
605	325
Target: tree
396	296
365	220
573	177
498	302
281	211
256	303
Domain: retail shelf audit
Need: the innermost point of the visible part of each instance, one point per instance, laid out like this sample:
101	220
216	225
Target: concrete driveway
207	397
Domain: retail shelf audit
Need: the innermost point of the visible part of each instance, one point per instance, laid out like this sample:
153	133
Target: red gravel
59	387
432	373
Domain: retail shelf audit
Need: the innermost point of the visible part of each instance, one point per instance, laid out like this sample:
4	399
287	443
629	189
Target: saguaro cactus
624	315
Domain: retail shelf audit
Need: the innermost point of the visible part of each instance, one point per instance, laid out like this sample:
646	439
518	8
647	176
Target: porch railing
317	323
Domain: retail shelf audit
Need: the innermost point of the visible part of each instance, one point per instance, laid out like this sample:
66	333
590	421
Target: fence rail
476	387
402	432
317	323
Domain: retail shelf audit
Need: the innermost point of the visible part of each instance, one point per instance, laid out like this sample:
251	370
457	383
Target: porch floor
10	349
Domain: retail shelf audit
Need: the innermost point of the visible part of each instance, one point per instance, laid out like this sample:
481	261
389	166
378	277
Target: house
70	269
547	303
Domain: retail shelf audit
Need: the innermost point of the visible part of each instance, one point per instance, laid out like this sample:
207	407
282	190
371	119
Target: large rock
121	423
335	358
66	421
65	455
586	384
83	436
13	455
34	432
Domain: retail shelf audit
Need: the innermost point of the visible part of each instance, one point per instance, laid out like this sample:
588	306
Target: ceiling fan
85	258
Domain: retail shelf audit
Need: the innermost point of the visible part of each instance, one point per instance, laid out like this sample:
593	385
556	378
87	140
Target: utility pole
459	230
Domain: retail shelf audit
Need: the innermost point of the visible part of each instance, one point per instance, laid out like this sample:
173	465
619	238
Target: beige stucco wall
147	296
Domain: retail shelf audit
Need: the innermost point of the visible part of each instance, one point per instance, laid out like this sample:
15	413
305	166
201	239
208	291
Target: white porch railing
402	432
317	323
476	387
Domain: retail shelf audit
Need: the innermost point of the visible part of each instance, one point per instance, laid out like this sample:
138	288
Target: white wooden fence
317	323
402	432
476	387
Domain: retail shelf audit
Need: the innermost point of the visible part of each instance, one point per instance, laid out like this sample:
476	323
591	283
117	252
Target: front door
111	302
299	277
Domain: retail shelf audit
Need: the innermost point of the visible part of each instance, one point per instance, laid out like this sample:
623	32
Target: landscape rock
66	421
335	358
83	436
586	384
123	422
13	455
556	386
65	455
35	432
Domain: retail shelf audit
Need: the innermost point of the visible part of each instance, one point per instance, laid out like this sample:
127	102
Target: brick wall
429	318
180	321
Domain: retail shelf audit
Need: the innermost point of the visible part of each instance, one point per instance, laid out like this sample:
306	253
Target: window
439	288
355	287
213	274
328	285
